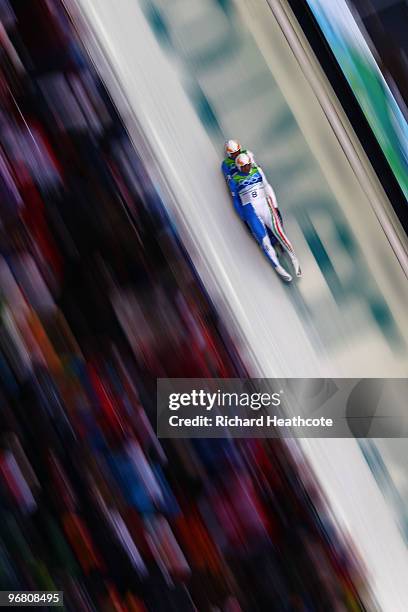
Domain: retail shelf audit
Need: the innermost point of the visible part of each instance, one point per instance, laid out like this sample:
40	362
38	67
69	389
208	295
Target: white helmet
232	148
243	160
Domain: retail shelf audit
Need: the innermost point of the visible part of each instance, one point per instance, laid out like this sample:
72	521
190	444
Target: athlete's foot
283	274
296	265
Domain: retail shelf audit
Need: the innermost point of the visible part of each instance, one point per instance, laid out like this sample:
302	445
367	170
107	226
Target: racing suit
255	202
229	168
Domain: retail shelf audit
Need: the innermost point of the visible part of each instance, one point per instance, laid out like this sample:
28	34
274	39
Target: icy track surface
186	74
197	77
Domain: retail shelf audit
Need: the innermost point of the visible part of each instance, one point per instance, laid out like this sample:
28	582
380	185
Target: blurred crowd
98	299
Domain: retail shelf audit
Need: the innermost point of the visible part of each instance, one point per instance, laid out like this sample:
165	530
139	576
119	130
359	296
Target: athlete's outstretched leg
277	228
258	229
